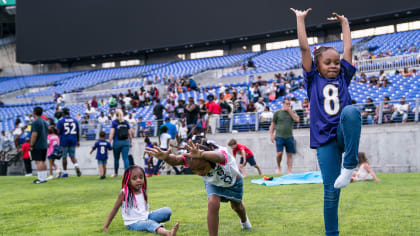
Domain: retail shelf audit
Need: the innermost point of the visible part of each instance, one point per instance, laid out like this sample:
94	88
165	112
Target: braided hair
129	198
318	53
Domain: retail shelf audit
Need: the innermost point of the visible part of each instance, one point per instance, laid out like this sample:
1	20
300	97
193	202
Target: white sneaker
344	178
246	224
50	177
28	175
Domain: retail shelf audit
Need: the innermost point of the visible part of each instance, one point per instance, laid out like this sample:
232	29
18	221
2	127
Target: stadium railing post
416	115
257	121
381	105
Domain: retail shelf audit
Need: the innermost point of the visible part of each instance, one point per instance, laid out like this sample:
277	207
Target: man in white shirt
260	105
102	119
401	109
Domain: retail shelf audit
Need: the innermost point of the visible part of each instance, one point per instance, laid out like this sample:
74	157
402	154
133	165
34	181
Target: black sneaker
103	177
79	173
37	181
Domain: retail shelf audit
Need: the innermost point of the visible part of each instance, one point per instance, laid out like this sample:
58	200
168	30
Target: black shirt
158	110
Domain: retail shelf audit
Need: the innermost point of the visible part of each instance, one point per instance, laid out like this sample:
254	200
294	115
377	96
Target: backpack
57	151
122	130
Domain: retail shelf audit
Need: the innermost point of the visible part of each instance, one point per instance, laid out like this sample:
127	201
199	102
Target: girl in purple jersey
335	124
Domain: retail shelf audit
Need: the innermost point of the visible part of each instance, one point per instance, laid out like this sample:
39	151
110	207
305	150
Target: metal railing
389	63
250	122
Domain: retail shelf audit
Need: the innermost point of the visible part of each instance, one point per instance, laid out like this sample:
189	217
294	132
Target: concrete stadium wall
390	149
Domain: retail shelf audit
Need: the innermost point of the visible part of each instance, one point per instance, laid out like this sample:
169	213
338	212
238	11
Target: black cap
66	111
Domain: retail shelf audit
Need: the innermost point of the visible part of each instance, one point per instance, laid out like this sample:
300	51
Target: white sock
43	175
39	173
246	224
344	179
76	165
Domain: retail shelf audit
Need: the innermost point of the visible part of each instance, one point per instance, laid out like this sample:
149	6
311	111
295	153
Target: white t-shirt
164	140
92	110
296	105
267	115
135	214
183	132
102	120
260	107
401	108
127	100
223	174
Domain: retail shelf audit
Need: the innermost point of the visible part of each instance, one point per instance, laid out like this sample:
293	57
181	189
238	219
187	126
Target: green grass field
79	206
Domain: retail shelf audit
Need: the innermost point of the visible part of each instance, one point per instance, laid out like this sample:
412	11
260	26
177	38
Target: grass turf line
79	206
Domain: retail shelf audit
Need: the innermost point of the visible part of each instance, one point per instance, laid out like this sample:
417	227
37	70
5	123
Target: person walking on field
282	124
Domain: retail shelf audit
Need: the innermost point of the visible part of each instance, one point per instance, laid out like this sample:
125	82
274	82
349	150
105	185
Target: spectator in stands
127	102
91	111
102	119
60	100
266	115
94	103
363	78
281	131
226	109
260	81
192	85
113	101
251	107
39	145
373	81
148	131
18	131
368	112
180	109
254	92
129	93
387	110
407	73
132	123
280	90
243	97
101	103
260	105
412	49
121	140
191	111
265	91
158	112
214	111
401	110
382	80
1	103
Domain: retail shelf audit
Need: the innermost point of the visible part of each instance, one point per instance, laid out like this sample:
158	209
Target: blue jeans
121	146
329	159
152	223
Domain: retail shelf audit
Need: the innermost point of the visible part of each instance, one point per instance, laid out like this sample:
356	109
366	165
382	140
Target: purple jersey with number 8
327	98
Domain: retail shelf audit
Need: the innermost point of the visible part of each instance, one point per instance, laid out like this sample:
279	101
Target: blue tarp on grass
300	178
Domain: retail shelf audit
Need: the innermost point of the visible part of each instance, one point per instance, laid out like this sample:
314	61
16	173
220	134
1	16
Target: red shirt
214	108
240	147
25	150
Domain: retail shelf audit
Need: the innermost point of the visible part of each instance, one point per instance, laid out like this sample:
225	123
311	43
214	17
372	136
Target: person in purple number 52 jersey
335	124
68	129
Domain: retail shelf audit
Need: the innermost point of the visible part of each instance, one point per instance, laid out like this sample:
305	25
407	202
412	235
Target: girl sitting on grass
222	179
364	171
135	207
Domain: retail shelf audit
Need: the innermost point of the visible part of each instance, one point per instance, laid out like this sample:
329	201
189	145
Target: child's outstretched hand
301	14
105	229
194	150
158	153
337	17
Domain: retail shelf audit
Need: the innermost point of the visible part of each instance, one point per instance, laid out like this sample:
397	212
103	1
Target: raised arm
372	173
347	43
165	156
303	39
195	152
113	212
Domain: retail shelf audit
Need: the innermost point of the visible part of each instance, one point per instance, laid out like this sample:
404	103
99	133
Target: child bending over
246	156
221	176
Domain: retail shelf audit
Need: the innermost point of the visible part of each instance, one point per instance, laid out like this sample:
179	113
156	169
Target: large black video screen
50	30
